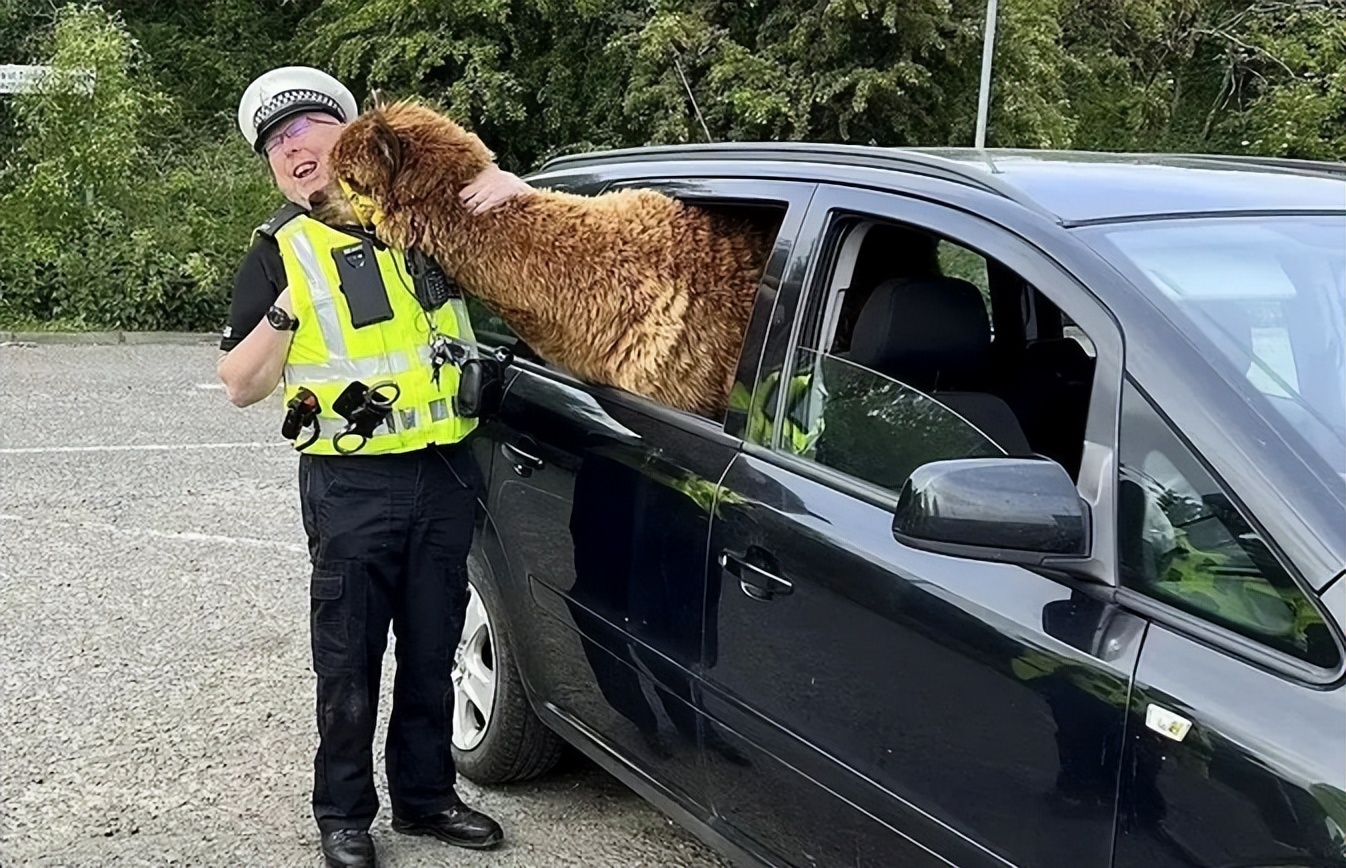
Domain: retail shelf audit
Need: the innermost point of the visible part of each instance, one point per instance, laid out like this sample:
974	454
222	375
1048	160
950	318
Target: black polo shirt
260	280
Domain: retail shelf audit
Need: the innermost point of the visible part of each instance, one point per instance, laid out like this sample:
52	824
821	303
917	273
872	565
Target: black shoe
459	825
348	848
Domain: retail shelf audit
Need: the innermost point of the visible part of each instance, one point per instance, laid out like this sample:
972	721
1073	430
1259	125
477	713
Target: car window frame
959	219
687	184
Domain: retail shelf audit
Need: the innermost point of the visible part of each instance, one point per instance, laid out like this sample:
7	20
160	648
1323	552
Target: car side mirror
1013	510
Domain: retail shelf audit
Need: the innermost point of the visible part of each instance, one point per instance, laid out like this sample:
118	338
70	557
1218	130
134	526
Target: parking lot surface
157	700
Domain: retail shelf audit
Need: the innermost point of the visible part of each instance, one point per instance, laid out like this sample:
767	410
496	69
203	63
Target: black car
1020	543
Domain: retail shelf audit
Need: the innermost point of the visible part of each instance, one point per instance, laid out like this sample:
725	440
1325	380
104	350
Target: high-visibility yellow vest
328	353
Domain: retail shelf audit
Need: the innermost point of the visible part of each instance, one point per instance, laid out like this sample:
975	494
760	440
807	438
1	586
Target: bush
103	228
130	206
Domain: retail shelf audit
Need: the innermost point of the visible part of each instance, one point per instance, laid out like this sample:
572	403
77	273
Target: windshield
1268	294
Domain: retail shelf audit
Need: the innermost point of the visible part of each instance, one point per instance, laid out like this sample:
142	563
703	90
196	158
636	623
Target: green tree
104	226
531	76
203	53
1208	75
20	25
133	204
536	77
1286	78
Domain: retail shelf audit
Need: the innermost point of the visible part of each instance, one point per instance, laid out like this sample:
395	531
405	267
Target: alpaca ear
388	146
377	100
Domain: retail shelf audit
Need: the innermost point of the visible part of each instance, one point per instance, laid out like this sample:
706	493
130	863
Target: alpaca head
396	156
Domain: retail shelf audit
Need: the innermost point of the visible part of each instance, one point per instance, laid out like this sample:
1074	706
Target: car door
601	510
1228	530
883	705
1238	711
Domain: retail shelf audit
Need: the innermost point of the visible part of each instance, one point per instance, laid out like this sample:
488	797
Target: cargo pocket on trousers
328	622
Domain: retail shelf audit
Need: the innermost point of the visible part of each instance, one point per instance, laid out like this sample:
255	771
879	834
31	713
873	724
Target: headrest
927	332
888	250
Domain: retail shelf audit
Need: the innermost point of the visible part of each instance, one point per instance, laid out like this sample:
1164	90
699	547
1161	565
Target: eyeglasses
294	130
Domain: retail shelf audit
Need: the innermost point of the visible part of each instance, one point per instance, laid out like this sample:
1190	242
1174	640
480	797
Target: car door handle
754	580
523	463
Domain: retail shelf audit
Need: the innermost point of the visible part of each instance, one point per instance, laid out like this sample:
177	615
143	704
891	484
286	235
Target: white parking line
186	536
141	447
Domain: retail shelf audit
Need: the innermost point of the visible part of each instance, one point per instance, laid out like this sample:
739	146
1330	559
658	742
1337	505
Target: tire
506	742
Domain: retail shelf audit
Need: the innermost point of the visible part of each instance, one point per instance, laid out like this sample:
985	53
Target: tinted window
1183	541
907	374
870	426
898	364
871	252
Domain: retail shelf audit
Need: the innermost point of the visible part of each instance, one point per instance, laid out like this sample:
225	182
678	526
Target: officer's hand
494	186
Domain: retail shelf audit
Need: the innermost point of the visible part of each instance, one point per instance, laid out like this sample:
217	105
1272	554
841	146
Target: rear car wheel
497	739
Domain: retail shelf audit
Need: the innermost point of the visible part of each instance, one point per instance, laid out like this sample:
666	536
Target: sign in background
23	78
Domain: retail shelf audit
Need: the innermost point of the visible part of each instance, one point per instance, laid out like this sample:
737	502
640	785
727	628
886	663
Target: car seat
933	334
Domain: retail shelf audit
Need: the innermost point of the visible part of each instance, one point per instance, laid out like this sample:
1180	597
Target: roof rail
971	167
863	156
1288	164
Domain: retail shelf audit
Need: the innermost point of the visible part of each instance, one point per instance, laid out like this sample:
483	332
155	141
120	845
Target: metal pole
987	52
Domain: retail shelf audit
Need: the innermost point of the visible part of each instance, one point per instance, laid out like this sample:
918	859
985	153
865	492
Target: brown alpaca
632	289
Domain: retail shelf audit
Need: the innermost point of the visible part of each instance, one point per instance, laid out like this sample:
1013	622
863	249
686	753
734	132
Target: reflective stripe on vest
324	303
328	353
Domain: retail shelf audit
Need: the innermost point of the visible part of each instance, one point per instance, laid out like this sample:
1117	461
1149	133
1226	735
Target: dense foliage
130	206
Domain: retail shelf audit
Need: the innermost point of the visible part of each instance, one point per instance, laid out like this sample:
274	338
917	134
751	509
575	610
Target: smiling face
298	151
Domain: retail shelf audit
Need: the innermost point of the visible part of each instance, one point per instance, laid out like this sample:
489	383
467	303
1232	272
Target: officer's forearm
251	370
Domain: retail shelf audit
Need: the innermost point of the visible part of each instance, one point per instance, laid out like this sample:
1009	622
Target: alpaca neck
505	271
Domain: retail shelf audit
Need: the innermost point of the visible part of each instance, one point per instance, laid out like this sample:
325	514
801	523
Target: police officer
387	493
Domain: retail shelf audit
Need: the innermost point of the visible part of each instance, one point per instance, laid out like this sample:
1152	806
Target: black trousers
388	536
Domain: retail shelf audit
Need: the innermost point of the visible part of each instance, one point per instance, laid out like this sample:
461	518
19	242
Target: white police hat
283	93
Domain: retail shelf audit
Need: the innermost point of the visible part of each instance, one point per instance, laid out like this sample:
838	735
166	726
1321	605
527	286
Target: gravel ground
157	696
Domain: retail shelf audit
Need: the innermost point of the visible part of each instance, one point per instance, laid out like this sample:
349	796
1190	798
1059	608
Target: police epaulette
284	214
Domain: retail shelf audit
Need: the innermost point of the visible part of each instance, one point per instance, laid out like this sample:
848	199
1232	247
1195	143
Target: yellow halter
366	211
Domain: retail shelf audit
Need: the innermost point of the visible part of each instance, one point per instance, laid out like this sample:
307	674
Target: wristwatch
280	320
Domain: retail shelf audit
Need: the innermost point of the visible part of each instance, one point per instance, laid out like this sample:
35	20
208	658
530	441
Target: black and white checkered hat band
291	102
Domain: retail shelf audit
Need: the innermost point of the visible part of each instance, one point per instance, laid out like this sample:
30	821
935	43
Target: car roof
1075	187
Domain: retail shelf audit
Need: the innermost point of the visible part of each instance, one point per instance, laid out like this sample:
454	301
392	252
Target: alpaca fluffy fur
631	289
